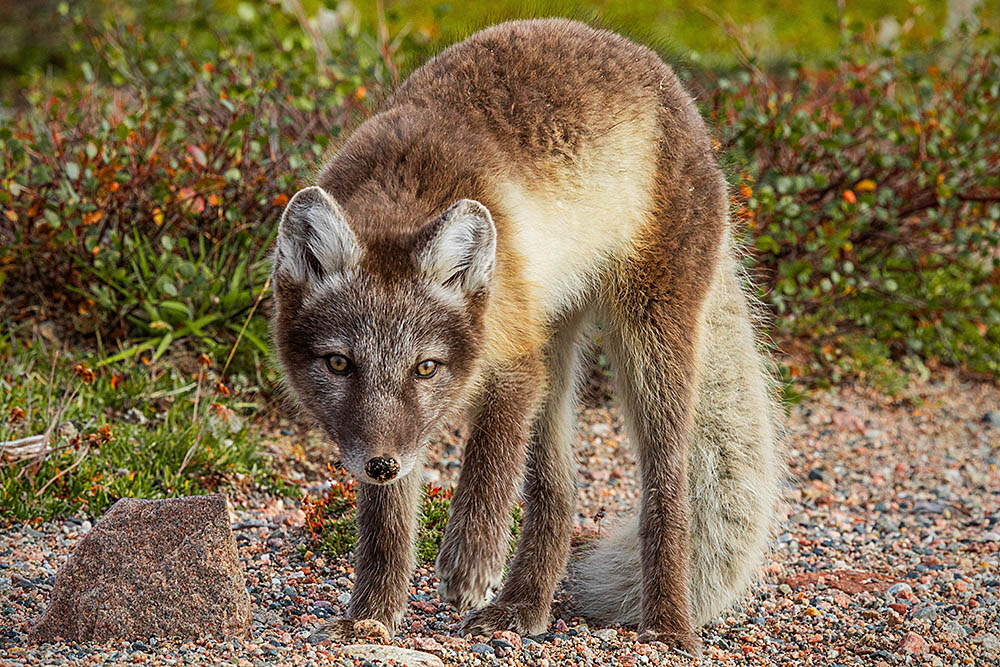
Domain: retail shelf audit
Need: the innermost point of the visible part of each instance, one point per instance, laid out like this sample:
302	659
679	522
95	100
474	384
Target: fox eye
427	368
338	364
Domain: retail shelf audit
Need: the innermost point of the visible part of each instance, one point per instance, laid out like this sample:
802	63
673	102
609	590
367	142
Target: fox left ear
460	247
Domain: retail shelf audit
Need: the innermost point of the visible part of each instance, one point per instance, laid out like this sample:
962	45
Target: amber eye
427	368
338	364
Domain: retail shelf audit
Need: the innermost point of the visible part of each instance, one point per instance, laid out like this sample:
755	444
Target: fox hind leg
652	310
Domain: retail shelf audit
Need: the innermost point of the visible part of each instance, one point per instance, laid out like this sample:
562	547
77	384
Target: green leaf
246	12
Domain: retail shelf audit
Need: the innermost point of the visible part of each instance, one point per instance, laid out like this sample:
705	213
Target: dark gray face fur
385	308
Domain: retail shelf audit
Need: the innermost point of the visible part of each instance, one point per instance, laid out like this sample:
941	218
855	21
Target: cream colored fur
734	474
582	214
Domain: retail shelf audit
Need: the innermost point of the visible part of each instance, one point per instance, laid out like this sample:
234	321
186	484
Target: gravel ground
889	555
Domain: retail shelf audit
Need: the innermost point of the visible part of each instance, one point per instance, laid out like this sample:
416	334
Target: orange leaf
280	199
867	185
850	197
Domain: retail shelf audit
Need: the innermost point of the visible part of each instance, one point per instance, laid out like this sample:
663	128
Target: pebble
401	656
988	641
481	648
953	627
900	589
912	643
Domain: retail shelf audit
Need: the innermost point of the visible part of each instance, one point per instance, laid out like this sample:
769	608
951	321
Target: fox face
379	339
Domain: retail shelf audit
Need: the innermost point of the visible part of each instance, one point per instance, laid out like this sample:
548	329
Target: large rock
152	568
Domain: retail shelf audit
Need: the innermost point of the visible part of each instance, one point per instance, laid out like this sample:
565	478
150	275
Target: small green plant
75	437
332	527
330	519
433	519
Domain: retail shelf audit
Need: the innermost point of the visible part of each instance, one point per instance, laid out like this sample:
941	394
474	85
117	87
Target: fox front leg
476	540
384	556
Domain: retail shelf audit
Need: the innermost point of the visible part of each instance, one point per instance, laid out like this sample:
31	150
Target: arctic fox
537	177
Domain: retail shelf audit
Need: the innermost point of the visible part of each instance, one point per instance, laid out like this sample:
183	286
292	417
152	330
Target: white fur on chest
565	229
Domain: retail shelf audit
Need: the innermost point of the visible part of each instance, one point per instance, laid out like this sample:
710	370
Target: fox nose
382	469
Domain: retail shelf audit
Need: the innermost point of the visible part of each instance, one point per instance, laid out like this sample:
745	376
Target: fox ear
460	247
314	239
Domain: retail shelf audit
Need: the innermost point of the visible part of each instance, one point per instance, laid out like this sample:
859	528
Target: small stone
602	430
427	645
990	536
785	589
501	647
953	627
894	620
817	475
988	641
457	643
482	649
926	613
606	634
511	638
401	656
912	643
900	590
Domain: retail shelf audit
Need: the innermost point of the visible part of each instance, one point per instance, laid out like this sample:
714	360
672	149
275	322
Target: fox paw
349	629
688	642
523	619
464	582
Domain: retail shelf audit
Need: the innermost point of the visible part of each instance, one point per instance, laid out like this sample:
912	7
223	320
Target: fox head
379	339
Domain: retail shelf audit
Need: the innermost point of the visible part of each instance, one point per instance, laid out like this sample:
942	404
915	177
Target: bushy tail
734	473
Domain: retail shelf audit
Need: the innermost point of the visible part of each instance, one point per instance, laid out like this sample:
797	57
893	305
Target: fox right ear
314	239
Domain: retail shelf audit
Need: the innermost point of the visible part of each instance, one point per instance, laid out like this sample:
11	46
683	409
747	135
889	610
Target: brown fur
520	117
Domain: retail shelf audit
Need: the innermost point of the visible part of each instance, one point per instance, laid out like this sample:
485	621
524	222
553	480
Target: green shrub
332	526
76	438
872	194
139	197
139	201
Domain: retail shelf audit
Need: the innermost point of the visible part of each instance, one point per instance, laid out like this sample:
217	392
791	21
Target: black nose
382	469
